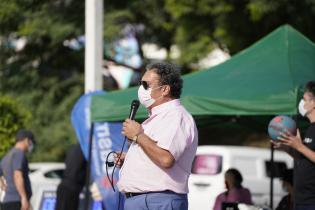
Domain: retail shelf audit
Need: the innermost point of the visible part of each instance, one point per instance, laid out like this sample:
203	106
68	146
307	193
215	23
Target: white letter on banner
103	130
105	143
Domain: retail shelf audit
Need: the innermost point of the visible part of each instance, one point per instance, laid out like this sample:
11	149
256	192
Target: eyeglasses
144	84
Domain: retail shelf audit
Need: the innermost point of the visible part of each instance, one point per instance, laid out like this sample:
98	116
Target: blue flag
107	137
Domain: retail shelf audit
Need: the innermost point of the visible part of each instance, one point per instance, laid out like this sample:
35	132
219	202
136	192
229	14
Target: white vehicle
44	174
211	162
45	178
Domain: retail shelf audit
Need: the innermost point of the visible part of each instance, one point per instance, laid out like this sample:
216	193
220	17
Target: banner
106	138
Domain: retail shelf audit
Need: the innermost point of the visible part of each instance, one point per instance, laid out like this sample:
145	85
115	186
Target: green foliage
116	21
13	116
233	24
45	76
52	123
199	26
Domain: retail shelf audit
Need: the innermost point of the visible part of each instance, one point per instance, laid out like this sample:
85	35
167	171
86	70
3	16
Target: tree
45	75
13	116
233	25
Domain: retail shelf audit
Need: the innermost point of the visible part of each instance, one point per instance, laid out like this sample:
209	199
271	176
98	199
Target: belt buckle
132	194
128	194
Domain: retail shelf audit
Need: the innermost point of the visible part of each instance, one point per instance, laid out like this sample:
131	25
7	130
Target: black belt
131	194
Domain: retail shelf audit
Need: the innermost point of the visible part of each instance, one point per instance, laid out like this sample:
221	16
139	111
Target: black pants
10	206
67	199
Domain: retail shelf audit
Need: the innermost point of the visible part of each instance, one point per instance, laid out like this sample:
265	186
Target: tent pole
271	174
88	169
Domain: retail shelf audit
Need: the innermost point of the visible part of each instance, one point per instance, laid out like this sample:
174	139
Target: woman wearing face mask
303	152
235	193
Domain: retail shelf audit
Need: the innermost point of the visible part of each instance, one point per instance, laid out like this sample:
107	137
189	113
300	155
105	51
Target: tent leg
88	169
271	174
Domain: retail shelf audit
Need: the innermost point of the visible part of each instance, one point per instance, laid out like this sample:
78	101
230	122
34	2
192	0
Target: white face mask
145	96
302	110
30	148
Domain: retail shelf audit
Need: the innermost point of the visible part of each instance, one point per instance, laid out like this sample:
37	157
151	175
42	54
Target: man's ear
166	90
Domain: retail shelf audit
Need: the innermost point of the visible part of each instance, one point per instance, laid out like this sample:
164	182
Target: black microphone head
133	109
135	104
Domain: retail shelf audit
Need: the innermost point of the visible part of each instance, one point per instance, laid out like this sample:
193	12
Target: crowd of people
155	171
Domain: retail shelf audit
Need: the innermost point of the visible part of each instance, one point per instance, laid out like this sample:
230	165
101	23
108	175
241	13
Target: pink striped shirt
174	129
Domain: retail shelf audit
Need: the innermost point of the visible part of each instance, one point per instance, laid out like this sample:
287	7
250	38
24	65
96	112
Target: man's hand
119	161
95	192
296	143
279	145
3	184
131	128
25	205
290	140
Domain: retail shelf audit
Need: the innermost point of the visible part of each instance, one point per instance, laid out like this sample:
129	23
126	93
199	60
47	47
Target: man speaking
154	172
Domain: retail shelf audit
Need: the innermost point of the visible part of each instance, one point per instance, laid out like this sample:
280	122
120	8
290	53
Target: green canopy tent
263	80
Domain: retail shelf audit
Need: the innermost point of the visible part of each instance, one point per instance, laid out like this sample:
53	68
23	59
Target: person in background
73	180
14	173
286	202
303	152
235	193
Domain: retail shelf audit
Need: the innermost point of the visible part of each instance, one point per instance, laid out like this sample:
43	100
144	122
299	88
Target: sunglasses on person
144	84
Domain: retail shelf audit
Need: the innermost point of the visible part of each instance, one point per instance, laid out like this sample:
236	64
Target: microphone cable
134	107
110	164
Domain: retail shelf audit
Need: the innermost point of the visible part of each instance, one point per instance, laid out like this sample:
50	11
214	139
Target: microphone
133	109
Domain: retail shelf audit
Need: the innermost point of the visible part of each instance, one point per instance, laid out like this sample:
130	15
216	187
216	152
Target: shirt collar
164	107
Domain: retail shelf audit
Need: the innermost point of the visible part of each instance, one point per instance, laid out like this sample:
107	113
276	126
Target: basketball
280	124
